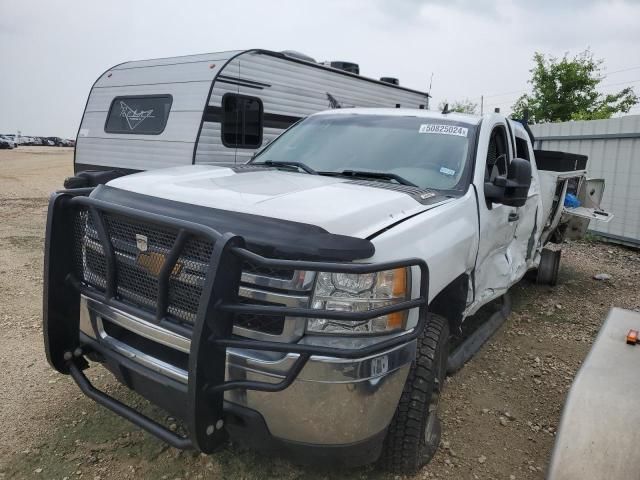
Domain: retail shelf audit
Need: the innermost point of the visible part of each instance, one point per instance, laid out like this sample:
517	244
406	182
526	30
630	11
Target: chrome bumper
333	401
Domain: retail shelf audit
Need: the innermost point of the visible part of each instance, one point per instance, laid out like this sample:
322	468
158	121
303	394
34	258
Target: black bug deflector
210	332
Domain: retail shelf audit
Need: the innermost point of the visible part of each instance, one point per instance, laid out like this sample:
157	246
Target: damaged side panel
577	219
509	236
570	223
446	237
525	246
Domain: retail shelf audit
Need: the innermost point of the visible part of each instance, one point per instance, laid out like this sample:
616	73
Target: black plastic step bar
212	331
474	342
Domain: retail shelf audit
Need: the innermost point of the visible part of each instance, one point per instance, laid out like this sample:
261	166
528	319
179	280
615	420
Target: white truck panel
446	237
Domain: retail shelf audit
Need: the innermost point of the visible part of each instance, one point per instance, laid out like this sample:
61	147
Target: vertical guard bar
289	378
109	255
207	362
165	273
60	304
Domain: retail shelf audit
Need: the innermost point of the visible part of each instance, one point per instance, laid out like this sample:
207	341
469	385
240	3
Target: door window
497	154
522	148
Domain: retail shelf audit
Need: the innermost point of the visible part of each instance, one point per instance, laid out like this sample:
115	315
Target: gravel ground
499	412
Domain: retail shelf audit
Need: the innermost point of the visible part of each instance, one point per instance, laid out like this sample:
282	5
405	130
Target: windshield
430	153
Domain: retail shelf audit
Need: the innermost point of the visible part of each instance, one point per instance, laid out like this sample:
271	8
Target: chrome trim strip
86	326
142	358
139	326
295	301
302	281
319	369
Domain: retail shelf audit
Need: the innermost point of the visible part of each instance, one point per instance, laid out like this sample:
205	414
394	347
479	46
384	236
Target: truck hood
336	204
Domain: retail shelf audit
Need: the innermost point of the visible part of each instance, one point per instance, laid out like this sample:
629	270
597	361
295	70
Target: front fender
446	237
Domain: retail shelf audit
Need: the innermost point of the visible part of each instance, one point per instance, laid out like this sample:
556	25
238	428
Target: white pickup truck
304	302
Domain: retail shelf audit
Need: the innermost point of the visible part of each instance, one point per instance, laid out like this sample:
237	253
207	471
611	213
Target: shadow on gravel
89	441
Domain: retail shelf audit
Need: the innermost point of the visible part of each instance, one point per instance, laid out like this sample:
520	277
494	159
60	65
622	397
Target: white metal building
613	148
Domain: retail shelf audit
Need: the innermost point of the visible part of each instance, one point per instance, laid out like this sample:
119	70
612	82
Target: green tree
461	106
567	89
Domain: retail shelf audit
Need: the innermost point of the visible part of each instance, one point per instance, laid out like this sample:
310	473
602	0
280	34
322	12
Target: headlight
349	292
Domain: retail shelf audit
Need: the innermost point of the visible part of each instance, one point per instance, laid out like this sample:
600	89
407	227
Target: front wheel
414	433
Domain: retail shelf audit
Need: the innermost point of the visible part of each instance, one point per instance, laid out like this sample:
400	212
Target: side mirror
511	189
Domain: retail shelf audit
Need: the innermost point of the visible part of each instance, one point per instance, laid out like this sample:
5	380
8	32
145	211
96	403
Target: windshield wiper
365	174
299	165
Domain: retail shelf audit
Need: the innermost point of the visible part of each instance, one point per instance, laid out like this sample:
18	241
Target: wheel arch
451	302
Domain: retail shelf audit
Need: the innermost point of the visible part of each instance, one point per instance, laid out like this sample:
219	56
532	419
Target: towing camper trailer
215	108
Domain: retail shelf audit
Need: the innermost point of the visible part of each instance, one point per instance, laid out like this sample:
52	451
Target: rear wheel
414	433
549	267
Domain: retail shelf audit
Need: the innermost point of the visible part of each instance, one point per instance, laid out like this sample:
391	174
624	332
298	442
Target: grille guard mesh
71	213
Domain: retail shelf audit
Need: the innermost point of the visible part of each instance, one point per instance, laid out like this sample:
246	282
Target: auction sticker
443	129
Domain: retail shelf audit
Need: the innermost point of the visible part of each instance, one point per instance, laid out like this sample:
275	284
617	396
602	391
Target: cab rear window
140	115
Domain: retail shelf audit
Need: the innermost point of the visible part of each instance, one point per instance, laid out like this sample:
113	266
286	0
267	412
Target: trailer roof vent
298	55
346	66
391	80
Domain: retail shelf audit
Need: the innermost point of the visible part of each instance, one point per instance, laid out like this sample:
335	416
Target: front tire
414	433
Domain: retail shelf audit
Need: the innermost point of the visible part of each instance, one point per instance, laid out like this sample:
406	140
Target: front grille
137	269
269	324
137	279
90	263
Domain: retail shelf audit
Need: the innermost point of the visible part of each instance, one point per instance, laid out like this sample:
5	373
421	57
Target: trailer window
140	115
241	121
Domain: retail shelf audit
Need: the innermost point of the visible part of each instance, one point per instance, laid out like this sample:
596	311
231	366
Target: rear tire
414	433
549	267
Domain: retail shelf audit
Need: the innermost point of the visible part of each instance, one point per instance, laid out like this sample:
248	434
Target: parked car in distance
6	143
11	139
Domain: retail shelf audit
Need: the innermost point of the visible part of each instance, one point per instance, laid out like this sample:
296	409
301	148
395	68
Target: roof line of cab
408	112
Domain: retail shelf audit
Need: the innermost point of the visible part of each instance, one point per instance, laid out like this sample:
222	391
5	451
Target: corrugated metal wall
613	148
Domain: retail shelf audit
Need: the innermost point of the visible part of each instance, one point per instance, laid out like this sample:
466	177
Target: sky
51	51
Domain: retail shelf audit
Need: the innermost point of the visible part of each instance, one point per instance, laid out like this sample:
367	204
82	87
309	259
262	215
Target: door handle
513	216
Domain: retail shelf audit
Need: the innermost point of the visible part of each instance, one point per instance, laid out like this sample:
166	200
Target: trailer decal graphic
333	102
134	117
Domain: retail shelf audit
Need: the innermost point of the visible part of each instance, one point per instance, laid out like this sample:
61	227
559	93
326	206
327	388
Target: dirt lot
499	412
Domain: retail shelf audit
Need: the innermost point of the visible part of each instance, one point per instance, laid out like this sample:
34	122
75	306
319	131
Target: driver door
498	223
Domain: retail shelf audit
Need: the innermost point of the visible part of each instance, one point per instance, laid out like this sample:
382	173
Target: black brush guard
212	331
